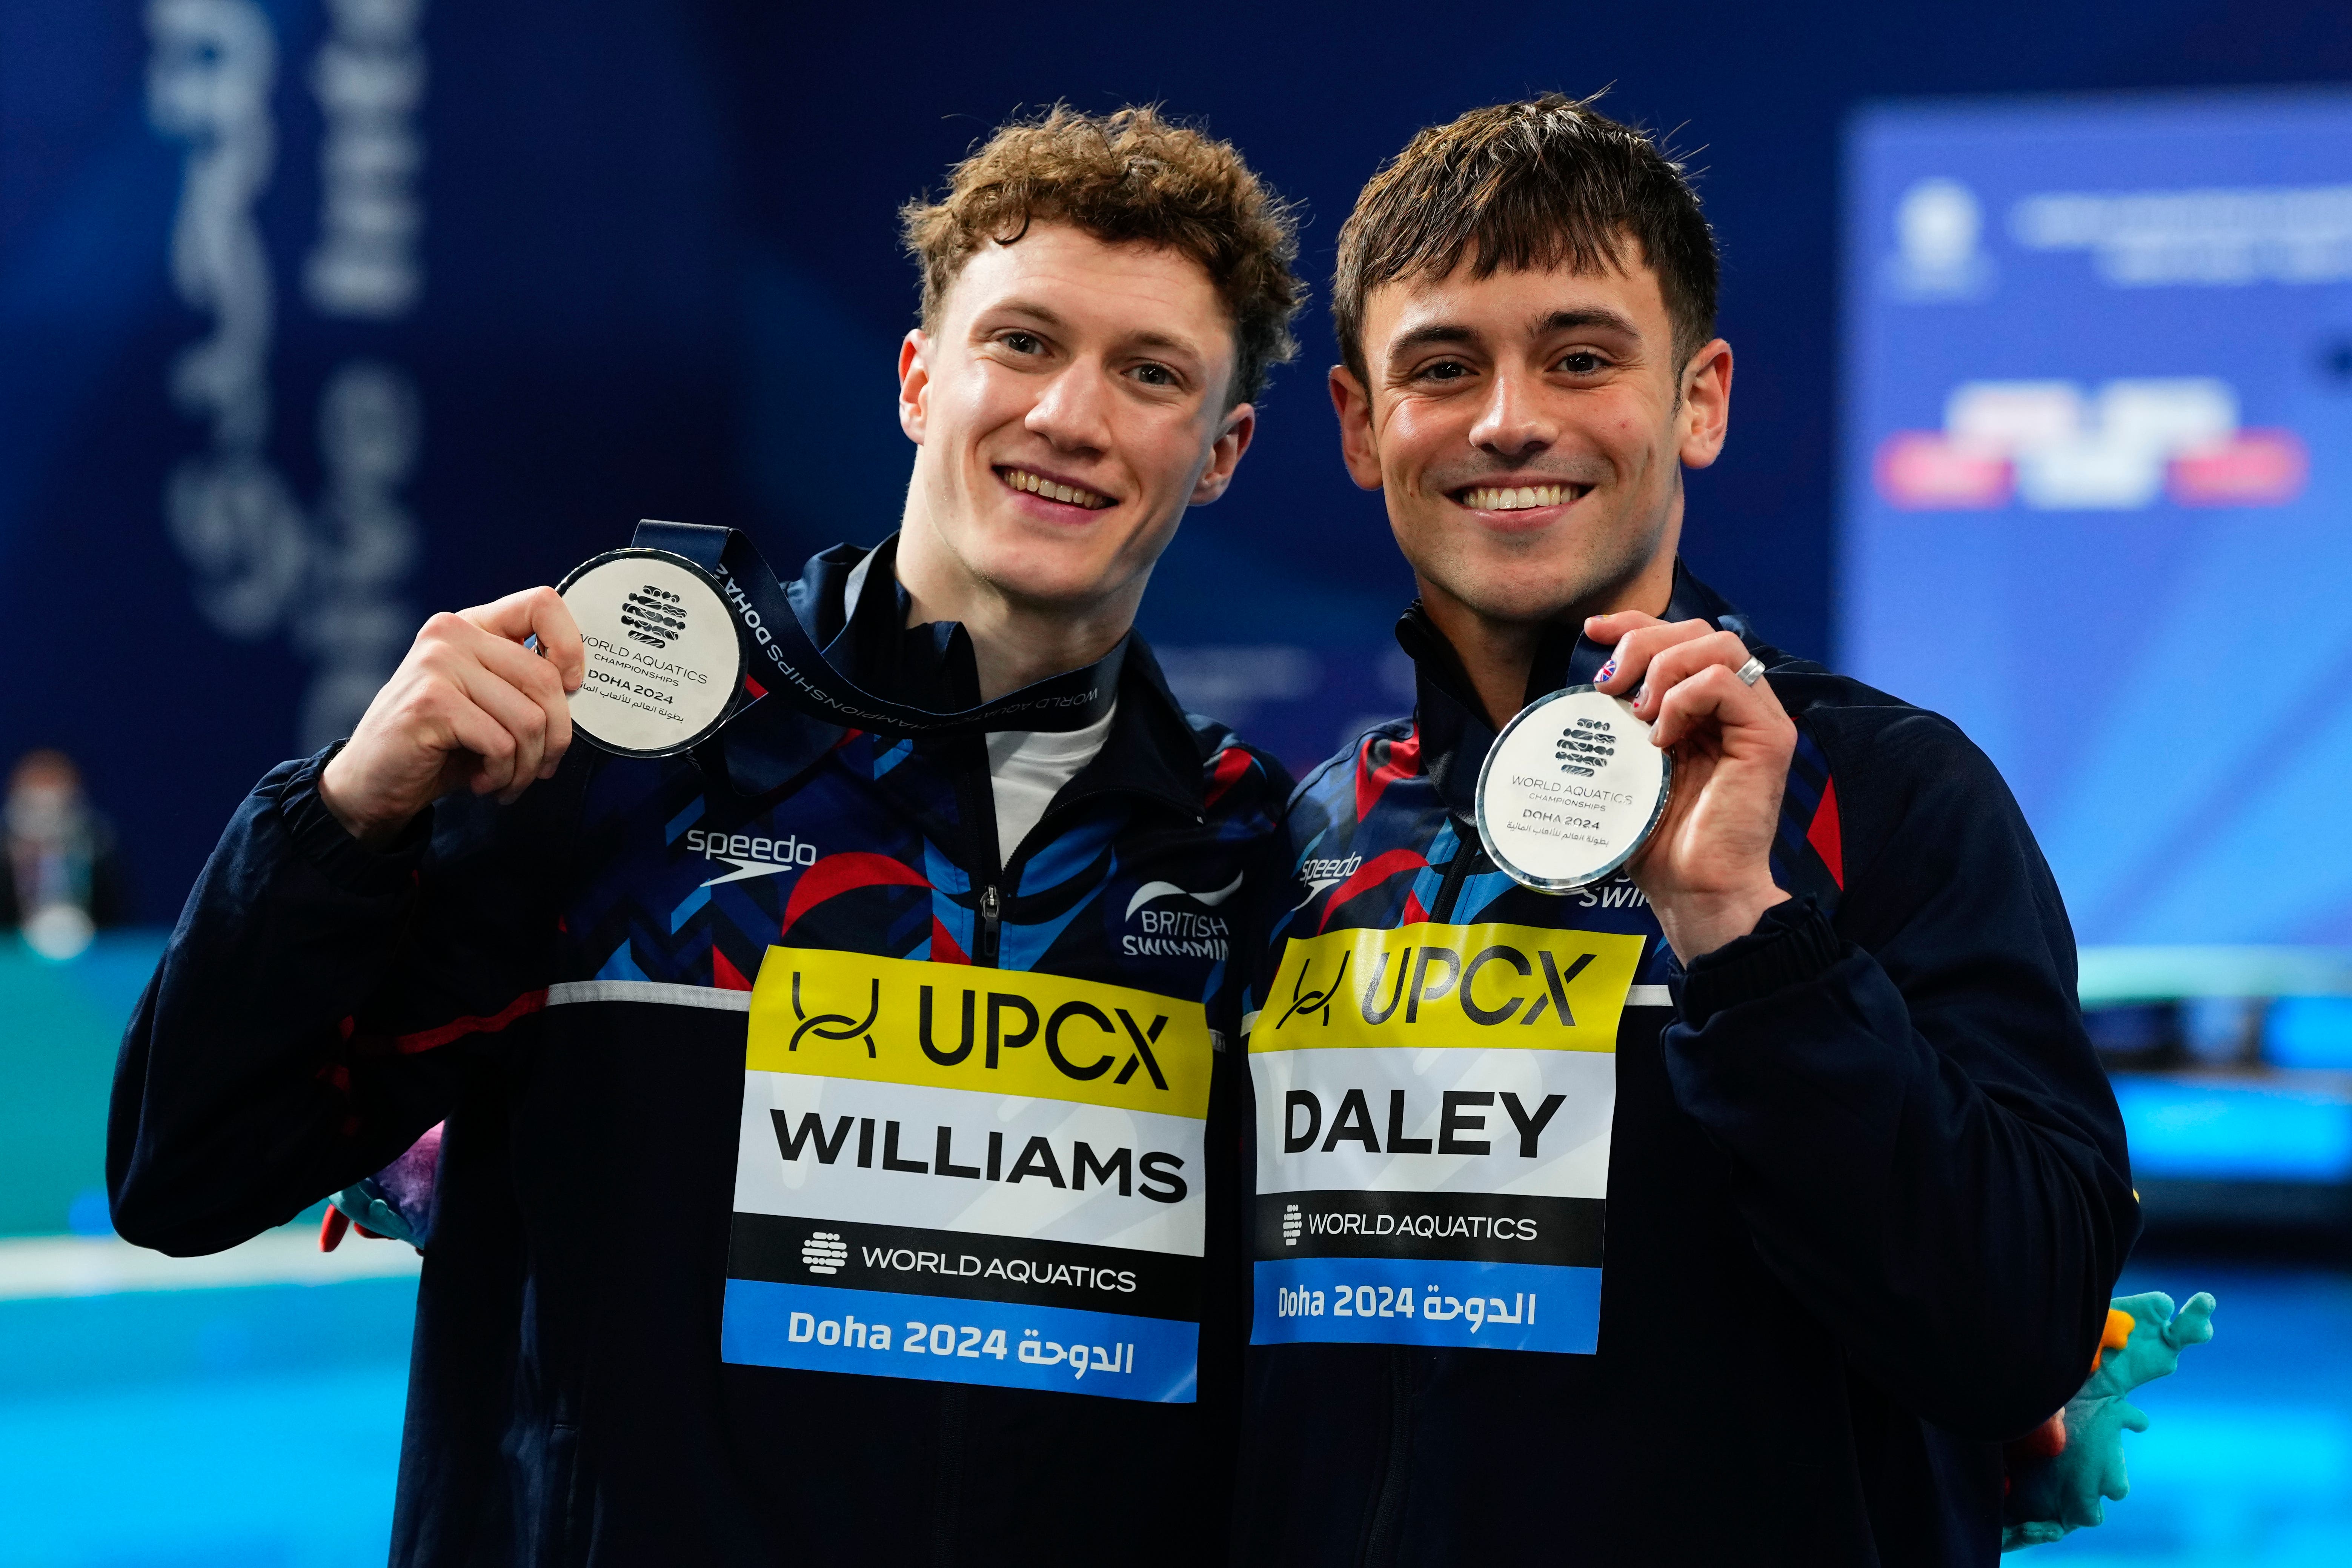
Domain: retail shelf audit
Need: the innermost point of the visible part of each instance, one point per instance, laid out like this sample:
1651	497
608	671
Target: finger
524	719
537	612
490	742
1630	659
538	679
1671	666
1715	698
1607	629
470	660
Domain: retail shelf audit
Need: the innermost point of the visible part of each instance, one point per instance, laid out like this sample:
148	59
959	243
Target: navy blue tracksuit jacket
1848	1215
564	984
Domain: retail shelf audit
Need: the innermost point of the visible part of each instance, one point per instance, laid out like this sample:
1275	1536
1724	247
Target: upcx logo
1070	1032
833	1013
1421	985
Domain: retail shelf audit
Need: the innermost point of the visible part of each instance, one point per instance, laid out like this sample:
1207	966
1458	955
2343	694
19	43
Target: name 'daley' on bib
969	1176
1433	1107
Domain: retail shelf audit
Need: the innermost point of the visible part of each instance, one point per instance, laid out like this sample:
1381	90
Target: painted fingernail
1606	671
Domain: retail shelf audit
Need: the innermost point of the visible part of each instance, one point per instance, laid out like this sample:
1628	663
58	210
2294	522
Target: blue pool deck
245	1410
254	1425
258	1426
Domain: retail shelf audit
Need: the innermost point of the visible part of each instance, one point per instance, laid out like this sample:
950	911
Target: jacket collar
1153	749
857	611
1451	722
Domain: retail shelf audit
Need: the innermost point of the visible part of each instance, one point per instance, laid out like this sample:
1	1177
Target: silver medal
1571	789
664	659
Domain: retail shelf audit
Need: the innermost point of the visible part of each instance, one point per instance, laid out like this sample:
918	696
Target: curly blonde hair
1128	176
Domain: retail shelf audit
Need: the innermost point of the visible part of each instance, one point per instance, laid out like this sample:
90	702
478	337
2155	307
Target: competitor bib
1434	1109
969	1175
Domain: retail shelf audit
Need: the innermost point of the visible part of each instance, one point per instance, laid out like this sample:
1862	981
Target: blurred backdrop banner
320	315
2098	469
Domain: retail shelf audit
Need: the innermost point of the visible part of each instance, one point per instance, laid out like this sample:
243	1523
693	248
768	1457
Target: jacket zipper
975	795
1387	1497
990	920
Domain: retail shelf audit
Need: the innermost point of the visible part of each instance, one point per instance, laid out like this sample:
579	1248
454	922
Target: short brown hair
1527	186
1130	175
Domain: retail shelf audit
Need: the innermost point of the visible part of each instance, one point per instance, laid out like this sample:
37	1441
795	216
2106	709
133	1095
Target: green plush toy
2058	1474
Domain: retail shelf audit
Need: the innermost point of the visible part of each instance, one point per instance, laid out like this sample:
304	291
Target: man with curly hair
873	1295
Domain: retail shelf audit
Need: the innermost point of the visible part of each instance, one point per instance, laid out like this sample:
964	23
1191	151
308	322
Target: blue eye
1021	342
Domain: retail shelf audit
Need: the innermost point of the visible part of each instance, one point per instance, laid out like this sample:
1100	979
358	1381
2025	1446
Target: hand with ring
1707	868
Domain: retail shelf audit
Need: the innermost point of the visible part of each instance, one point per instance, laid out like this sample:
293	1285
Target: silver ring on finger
1750	672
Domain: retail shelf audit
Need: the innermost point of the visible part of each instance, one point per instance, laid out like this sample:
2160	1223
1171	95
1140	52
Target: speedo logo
1447	986
1161	927
1321	874
751	854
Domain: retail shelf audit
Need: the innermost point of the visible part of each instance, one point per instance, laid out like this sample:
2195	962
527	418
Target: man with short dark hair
929	1271
1731	1209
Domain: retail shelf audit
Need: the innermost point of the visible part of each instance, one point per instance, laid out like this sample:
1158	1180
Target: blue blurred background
317	315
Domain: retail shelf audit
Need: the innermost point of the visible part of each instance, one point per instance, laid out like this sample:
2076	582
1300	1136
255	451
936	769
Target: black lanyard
790	665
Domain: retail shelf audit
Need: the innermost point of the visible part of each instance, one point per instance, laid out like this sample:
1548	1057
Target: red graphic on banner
2257	468
1925	470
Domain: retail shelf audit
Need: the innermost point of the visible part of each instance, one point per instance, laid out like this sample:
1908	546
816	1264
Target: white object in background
2009	417
1939	231
59	931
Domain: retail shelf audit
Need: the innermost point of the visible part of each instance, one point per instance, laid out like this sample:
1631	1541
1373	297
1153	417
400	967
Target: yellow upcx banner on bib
997	1031
1481	987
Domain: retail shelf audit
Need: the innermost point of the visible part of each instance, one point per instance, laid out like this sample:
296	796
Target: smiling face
1529	430
1071	405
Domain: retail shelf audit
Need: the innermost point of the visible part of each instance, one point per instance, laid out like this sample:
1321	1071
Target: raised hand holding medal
1706	866
1670	765
472	706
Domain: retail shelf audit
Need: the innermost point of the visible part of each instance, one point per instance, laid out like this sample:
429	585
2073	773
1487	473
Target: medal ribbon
790	665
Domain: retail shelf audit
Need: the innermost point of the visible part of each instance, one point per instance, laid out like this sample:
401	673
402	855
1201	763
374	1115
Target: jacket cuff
341	858
1792	943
